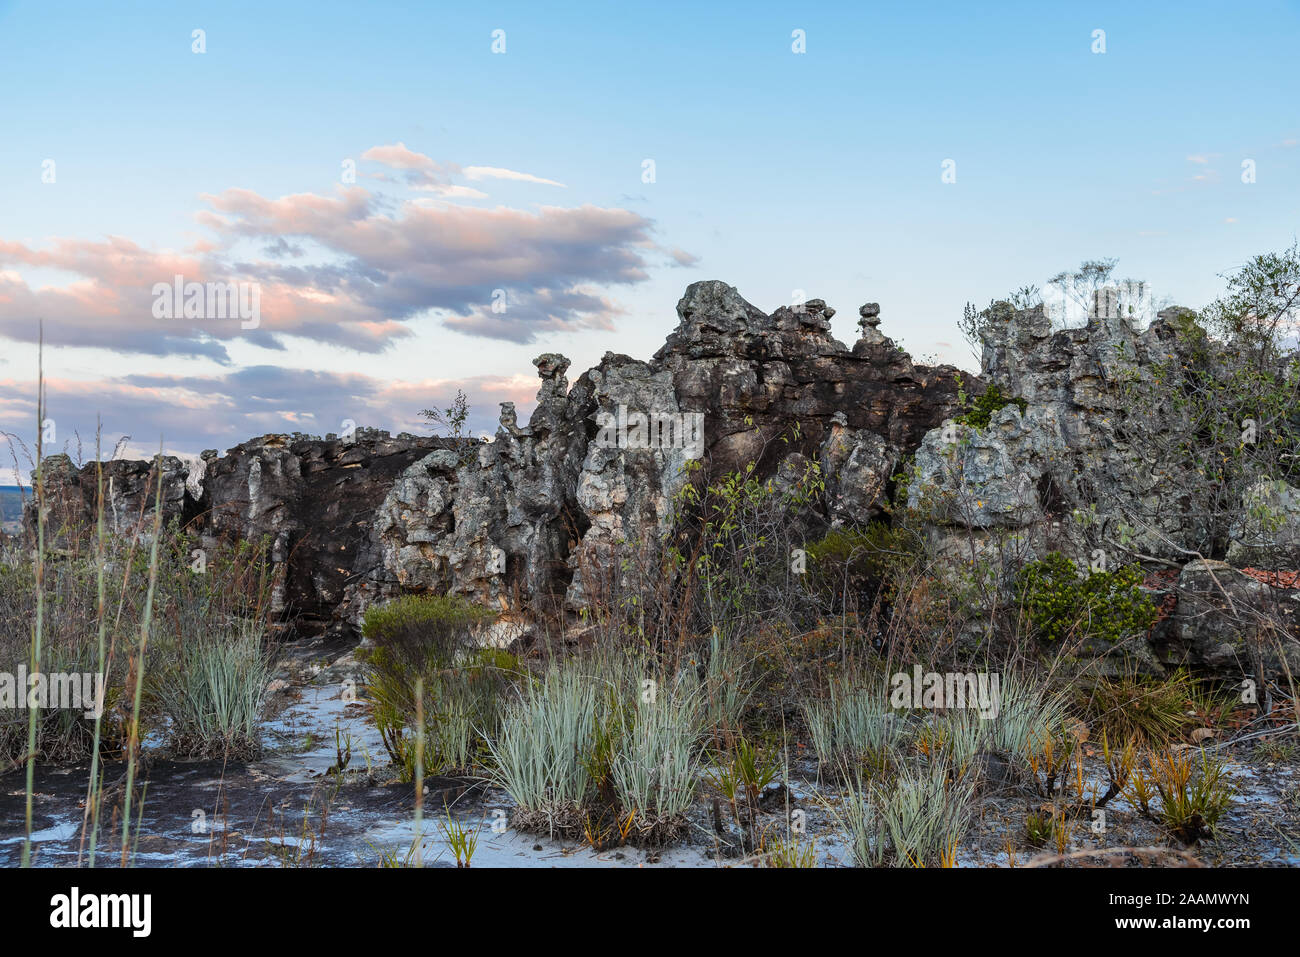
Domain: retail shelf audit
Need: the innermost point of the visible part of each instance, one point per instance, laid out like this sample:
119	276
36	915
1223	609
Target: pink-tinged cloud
348	269
397	156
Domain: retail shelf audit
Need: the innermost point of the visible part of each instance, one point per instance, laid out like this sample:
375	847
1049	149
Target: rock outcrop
1080	464
1227	622
527	522
129	492
533	523
314	502
1082	449
311	500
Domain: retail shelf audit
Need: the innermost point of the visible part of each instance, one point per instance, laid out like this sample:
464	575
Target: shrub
991	401
1130	706
1061	602
231	593
423	629
542	748
859	558
584	752
429	641
1192	798
912	819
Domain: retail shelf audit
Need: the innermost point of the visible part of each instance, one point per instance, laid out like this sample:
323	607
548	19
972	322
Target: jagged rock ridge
518	522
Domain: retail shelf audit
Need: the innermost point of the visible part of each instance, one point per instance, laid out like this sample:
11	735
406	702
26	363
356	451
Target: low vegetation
1064	602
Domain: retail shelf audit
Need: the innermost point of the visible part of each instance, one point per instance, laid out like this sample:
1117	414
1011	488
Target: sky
421	198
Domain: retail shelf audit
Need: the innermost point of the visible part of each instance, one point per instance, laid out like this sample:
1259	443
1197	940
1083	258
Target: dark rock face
129	491
314	500
1228	622
732	362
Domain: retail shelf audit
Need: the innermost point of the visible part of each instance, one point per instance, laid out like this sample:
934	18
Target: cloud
464	260
496	172
419	171
519	318
108	304
397	156
191	413
453	191
348	269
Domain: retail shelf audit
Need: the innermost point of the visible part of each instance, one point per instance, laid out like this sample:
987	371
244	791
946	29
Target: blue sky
774	171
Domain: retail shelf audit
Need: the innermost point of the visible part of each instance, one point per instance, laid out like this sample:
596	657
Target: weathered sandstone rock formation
529	521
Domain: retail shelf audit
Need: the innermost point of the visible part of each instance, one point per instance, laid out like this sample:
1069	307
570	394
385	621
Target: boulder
1231	624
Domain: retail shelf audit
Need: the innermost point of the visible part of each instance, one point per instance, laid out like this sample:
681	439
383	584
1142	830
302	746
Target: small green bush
1061	601
423	628
863	561
868	552
991	401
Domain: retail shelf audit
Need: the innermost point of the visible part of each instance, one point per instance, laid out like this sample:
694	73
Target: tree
1083	284
452	418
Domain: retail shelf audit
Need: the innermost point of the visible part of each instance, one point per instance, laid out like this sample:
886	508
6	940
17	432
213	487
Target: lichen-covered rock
985	478
495	522
858	465
626	486
1081	452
